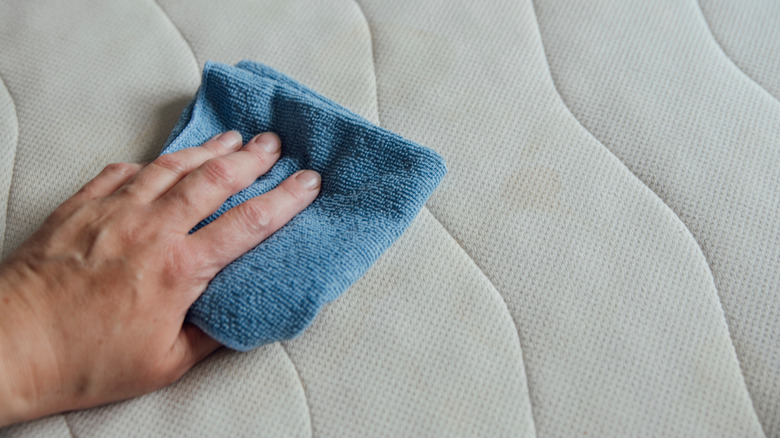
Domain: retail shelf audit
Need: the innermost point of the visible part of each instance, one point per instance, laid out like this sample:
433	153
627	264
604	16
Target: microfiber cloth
374	183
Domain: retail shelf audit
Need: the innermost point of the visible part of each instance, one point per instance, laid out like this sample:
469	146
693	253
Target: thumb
193	345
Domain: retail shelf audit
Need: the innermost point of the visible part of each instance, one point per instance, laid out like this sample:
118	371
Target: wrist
23	339
16	404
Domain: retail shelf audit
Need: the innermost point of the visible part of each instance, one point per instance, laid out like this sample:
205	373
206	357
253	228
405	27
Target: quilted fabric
749	36
597	262
719	173
373	185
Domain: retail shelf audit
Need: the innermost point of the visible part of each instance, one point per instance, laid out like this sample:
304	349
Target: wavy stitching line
373	59
711	33
457	242
508	312
197	66
684	225
68	425
303	388
511	317
4	236
707	24
181	34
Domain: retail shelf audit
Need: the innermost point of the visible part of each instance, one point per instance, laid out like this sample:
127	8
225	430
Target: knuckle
132	192
185	202
221	172
179	266
293	193
86	191
256	217
119	168
171	162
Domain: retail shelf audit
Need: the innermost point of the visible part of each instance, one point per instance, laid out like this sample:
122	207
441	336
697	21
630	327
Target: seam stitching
181	34
711	33
373	59
197	67
303	388
67	424
4	236
468	256
723	50
508	311
684	225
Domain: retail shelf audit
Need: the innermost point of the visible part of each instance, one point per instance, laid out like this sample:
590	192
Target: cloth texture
373	185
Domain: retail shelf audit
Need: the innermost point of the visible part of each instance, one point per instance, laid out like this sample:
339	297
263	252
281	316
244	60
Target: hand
92	305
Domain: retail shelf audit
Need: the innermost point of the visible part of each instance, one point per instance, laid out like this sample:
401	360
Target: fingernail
309	179
269	143
230	139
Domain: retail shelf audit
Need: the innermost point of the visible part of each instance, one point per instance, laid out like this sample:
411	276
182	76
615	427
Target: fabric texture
373	185
749	34
708	144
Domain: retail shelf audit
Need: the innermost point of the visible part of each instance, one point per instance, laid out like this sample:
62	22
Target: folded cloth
373	185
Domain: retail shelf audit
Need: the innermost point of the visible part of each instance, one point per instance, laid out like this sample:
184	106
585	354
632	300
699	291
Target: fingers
203	190
111	178
108	181
192	346
163	173
245	226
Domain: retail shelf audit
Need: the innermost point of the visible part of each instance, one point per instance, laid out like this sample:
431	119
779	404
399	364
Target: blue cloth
373	185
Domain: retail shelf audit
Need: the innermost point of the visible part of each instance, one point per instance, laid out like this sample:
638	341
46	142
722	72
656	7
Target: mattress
602	259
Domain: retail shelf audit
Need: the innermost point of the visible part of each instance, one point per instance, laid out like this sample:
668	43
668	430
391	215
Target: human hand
92	305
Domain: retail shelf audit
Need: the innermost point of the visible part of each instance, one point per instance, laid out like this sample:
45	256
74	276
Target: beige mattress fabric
602	259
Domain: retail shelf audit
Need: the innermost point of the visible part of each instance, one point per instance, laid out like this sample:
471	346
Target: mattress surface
602	259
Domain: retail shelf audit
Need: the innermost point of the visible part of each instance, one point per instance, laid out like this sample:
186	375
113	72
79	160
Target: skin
92	305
